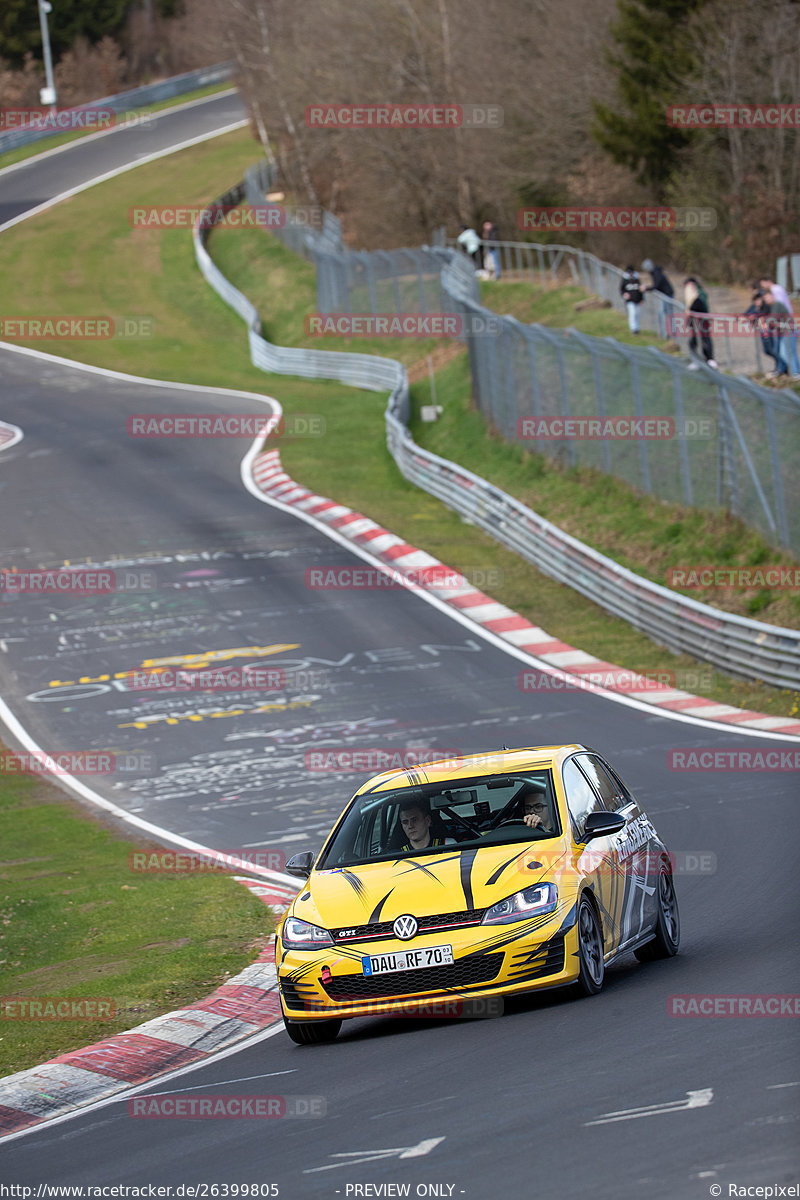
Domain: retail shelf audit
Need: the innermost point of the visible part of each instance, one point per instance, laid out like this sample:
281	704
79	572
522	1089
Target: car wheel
668	923
312	1033
592	974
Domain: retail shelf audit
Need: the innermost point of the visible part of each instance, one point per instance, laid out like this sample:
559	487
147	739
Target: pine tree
654	55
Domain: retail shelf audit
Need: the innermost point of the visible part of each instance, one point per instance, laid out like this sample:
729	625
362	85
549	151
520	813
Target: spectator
778	323
491	257
631	290
696	301
470	243
660	282
758	311
781	296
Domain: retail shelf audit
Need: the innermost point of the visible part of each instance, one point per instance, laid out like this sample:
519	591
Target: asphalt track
512	1100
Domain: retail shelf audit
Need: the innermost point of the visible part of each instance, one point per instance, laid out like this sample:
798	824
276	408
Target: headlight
532	902
299	935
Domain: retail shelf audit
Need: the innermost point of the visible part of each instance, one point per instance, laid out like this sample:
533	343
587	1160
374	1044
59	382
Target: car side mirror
601	824
300	864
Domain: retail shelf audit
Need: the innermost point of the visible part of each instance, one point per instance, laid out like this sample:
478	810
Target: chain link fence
548	264
728	443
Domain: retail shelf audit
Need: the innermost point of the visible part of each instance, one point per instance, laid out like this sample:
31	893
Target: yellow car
470	879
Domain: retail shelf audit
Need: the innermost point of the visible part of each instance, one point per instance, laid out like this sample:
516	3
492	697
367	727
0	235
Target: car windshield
424	820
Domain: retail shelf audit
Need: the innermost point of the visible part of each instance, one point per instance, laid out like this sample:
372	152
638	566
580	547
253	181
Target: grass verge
21	153
95	260
77	922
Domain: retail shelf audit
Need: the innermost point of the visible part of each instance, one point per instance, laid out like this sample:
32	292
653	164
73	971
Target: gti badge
405	927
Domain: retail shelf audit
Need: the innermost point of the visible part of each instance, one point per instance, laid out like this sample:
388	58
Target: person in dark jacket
696	301
491	251
631	291
660	281
759	312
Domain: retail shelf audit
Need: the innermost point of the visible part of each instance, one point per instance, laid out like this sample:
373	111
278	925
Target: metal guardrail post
638	408
777	478
680	429
749	462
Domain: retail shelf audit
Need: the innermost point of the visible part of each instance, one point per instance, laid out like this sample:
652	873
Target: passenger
536	812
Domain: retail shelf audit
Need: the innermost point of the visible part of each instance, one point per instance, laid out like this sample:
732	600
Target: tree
654	57
20	31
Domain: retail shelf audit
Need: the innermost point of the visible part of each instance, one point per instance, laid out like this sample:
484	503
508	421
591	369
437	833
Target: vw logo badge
405	927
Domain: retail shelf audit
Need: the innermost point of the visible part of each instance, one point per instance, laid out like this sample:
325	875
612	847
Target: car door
597	859
633	860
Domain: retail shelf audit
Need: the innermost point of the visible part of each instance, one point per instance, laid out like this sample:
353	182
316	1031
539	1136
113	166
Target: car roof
470	766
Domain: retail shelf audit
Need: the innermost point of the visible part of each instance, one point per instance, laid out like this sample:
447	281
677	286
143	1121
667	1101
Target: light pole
47	95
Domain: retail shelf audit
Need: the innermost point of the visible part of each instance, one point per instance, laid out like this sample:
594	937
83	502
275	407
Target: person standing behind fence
779	324
470	243
660	282
631	290
696	301
491	256
780	294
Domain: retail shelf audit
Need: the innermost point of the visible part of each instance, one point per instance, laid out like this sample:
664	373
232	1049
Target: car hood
453	881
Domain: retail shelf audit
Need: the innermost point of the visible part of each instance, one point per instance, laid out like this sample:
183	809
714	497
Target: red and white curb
270	477
237	1009
9	435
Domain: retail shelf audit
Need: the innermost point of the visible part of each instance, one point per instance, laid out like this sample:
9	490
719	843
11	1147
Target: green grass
76	921
97	263
554	306
21	153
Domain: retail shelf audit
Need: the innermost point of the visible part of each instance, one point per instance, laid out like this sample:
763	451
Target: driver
415	818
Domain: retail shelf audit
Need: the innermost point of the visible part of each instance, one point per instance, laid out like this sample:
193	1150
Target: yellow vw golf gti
471	878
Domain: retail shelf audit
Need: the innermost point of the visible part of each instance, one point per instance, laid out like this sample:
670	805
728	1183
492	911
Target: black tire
592	974
312	1033
668	923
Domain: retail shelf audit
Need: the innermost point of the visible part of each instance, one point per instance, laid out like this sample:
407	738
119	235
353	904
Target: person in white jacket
469	241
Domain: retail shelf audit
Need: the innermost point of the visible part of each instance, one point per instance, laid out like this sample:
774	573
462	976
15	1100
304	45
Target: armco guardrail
742	647
149	93
359	370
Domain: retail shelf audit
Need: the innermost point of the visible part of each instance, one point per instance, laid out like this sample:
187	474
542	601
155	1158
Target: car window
601	781
581	797
465	813
623	791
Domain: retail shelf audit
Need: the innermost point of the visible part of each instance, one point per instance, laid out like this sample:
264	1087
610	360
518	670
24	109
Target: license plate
407	960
